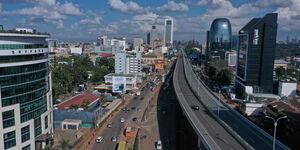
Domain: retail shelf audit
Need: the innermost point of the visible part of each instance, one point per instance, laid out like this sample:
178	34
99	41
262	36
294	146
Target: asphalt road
215	134
118	127
252	134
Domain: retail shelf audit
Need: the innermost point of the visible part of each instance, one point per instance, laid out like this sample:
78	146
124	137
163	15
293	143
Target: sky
85	20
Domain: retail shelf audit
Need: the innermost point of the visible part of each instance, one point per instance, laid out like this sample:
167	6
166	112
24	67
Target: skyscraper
25	85
220	37
257	41
168	38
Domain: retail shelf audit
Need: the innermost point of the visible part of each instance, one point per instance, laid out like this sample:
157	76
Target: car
133	108
109	125
135	98
114	139
122	120
158	145
195	107
139	109
127	111
141	98
99	139
134	119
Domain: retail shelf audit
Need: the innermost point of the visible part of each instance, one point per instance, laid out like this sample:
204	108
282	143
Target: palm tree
64	144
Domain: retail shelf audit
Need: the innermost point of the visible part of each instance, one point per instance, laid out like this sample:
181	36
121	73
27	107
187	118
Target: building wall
287	89
25	90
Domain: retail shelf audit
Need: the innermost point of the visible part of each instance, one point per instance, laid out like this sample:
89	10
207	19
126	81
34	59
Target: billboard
159	66
119	84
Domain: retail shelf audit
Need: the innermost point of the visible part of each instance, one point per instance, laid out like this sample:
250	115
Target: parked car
109	125
134	119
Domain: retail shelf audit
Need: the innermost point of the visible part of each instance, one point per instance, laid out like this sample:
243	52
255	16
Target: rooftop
121	75
23	33
280	61
77	100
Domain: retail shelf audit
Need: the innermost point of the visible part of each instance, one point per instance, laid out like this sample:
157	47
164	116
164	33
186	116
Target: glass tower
25	91
220	37
256	52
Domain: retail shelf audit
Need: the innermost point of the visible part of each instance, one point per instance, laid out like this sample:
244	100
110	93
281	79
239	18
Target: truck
127	132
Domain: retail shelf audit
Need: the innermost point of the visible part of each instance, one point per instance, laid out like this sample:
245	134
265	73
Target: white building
76	50
288	89
128	64
168	38
131	80
103	41
231	58
26	95
119	42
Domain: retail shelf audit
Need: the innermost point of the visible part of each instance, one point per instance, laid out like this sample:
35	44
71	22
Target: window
26	147
8	118
25	131
9	139
46	122
37	126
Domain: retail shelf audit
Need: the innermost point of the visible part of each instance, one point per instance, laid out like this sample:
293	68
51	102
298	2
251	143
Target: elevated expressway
216	124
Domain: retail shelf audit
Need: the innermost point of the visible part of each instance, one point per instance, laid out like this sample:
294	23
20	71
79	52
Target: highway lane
218	134
118	127
249	133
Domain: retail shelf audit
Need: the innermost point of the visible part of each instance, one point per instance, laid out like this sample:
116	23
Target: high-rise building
148	38
137	42
257	41
128	64
154	35
220	37
25	85
168	38
102	40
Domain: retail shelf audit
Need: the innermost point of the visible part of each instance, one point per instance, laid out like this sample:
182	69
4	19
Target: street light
275	125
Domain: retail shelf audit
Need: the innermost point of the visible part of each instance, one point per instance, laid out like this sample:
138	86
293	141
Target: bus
121	145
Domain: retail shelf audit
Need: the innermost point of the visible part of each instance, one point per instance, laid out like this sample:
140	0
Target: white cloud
172	6
289	17
129	7
272	3
96	21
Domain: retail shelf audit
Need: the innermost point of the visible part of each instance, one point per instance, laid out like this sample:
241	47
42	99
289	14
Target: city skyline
80	21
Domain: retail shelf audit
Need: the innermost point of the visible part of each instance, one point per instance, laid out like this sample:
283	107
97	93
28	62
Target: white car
158	145
122	120
99	139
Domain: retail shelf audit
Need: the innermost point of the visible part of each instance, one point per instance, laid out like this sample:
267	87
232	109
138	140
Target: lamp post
275	125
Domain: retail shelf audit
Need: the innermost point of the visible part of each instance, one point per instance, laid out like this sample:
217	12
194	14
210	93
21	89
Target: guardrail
195	85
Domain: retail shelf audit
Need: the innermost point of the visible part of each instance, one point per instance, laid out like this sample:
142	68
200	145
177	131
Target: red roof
77	100
106	55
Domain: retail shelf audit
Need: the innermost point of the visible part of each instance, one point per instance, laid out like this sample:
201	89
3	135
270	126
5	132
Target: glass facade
26	147
21	46
8	118
220	35
242	56
9	139
25	133
7	59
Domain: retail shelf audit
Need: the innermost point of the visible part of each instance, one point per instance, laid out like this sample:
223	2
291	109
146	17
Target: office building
257	41
25	85
137	42
154	35
102	41
220	37
168	38
128	64
231	57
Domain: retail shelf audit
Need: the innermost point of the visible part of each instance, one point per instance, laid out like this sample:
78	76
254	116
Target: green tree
85	104
211	72
224	77
101	99
74	106
280	72
64	144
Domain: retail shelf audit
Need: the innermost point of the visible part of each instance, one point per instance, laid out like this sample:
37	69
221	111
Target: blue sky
85	20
